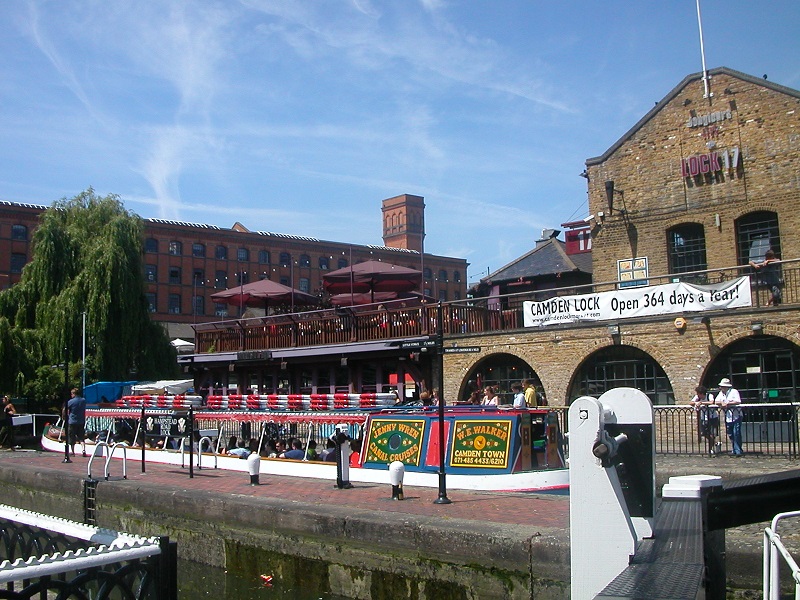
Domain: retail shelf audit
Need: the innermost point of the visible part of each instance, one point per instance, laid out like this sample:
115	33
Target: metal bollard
253	467
396	472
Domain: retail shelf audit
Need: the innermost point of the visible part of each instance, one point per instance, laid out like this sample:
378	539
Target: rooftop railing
402	320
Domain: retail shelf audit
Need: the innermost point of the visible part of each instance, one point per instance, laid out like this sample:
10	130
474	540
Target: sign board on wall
664	299
578	240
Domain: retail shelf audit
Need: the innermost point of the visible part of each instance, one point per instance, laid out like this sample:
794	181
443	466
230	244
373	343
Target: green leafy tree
87	258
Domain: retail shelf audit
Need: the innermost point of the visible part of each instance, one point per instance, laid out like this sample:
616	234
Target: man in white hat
729	399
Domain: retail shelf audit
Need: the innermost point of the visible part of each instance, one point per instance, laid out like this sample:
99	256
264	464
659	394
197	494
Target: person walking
729	399
76	418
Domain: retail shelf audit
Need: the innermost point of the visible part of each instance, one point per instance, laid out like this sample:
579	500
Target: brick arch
468	370
757	207
651	350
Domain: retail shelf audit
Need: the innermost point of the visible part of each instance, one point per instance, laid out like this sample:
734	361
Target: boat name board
481	443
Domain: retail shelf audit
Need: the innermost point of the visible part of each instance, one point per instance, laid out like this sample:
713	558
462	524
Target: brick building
184	263
706	181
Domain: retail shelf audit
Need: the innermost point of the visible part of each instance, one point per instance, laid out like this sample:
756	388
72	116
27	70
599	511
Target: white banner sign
638	302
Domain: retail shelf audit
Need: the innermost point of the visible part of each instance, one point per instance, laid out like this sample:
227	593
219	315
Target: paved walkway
547	514
545	510
550	511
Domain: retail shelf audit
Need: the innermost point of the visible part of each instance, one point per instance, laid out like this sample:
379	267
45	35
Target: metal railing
767	430
398	320
774	550
42	555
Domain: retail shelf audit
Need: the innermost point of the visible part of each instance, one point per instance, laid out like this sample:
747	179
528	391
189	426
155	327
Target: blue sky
300	117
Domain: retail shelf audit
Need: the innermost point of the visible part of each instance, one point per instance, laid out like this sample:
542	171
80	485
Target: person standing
519	396
489	396
707	417
76	418
729	399
7	424
530	393
769	277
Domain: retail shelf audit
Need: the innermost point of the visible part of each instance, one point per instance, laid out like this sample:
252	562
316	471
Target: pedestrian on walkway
707	417
76	418
729	399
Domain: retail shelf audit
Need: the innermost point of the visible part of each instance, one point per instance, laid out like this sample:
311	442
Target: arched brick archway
762	366
500	369
621	365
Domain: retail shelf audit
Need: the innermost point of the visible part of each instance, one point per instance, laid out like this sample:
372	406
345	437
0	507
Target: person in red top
355	454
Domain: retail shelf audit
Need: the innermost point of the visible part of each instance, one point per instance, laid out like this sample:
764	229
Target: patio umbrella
263	293
375	297
371	277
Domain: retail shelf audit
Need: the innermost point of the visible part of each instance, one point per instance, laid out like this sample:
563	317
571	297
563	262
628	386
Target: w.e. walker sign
638	302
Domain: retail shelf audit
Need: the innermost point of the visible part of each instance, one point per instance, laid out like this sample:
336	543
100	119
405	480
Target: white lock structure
611	487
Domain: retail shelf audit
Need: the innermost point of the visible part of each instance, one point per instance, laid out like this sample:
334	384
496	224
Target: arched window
324	263
285	259
243	255
756	233
457	276
305	260
342	263
263	257
151	246
687	248
221	252
442	275
175	248
199	250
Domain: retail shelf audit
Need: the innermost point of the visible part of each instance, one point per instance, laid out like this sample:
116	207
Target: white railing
110	547
774	549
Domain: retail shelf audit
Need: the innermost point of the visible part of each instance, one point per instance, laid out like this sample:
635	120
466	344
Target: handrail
112	447
402	319
773	547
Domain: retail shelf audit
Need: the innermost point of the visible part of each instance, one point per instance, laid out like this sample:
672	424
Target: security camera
589	219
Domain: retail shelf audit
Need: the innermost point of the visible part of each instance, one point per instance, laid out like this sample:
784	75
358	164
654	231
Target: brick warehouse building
184	263
706	181
703	183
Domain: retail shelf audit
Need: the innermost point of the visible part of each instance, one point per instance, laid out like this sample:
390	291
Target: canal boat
485	447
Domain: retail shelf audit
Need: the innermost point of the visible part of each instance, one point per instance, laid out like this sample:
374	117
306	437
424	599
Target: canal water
201	581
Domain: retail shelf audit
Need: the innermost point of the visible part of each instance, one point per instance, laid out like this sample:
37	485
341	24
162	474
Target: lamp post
442	498
65	410
83	356
352	284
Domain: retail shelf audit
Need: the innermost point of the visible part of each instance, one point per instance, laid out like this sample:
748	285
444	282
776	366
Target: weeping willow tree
87	258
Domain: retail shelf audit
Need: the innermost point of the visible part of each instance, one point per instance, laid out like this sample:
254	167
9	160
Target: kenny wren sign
638	302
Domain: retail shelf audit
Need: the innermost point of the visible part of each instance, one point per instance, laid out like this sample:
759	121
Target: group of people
291	449
707	407
525	396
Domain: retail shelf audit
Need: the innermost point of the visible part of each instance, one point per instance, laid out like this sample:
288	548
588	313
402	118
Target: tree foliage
87	258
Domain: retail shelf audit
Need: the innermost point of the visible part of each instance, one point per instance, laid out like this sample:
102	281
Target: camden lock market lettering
395	440
481	443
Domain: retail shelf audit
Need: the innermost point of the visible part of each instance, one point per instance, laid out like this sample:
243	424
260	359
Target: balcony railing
398	320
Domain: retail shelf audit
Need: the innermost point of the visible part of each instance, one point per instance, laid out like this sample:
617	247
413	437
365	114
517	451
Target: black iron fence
767	429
